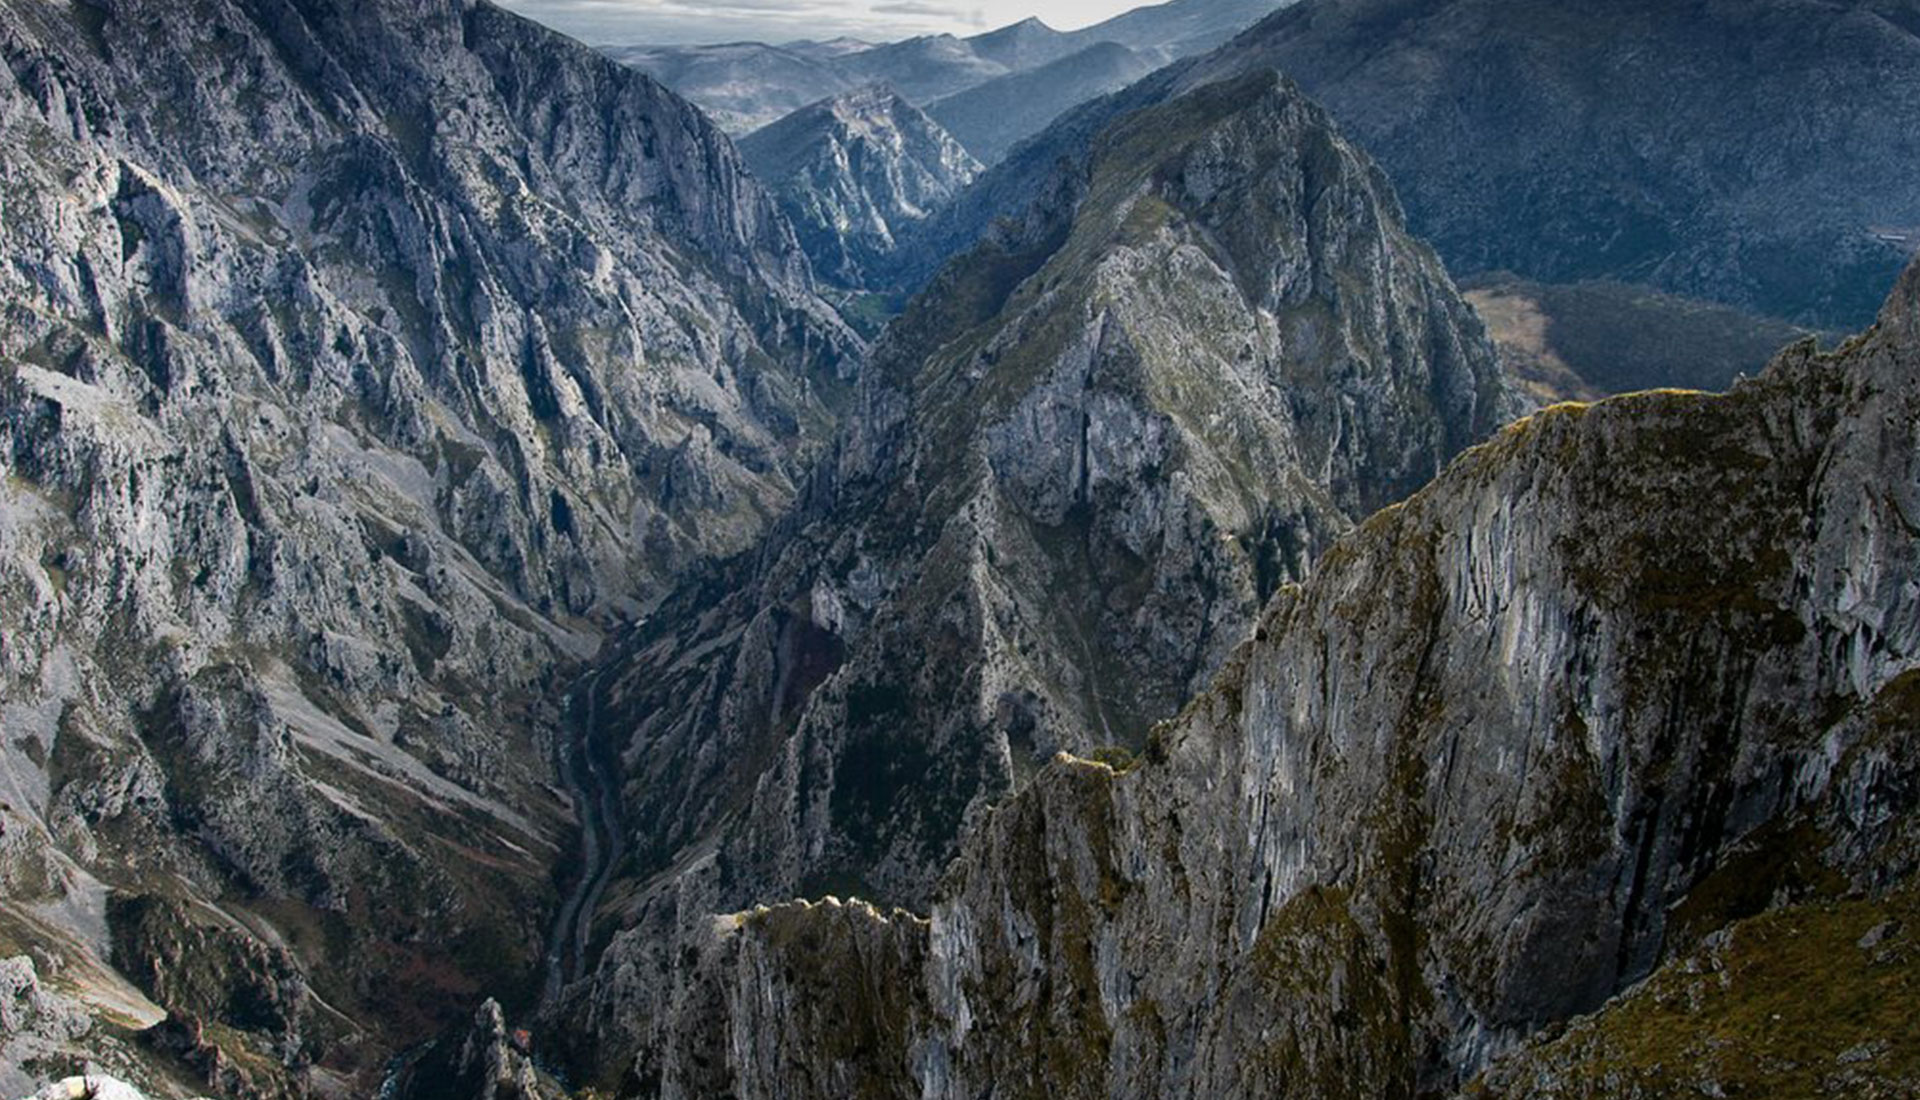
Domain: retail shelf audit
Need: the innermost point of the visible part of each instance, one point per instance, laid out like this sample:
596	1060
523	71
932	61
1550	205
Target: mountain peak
1205	351
1022	45
1902	309
853	170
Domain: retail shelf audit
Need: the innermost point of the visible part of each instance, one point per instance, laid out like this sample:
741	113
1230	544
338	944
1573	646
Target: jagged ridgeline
1077	466
855	171
361	363
1632	691
1750	152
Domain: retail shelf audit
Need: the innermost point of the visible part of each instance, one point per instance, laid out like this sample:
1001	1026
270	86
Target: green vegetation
869	313
1352	1042
1586	340
1810	1000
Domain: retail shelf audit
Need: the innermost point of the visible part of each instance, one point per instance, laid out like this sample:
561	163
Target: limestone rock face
1632	681
1076	468
361	364
853	172
35	1023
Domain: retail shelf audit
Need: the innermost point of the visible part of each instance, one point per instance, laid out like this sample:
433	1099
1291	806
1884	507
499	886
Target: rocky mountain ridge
854	172
1078	465
1513	744
1566	142
363	365
456	573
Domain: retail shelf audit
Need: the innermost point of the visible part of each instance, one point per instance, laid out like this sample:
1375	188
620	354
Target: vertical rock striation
1622	682
1077	466
361	364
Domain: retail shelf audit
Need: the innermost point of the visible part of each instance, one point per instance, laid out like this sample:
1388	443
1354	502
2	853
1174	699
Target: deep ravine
352	387
596	804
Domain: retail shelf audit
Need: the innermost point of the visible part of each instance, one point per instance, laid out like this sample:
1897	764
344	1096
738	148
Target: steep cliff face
1632	681
1079	464
854	172
361	363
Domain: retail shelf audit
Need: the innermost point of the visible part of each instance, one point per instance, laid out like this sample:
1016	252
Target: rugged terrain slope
1628	693
1078	465
853	172
1755	154
362	364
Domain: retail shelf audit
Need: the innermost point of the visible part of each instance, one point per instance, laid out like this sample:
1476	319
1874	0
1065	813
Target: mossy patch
1810	1000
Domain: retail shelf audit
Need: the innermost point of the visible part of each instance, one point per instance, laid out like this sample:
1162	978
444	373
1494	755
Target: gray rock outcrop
362	365
1515	742
854	172
1078	465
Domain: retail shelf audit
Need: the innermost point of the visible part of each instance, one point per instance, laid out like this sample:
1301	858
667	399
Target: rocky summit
1547	730
853	172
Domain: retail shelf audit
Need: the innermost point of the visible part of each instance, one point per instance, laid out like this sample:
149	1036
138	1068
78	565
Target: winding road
596	802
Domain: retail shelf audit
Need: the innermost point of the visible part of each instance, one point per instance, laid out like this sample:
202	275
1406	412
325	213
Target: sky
630	22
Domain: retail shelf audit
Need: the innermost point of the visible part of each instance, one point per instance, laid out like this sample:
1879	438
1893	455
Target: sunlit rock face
855	171
362	364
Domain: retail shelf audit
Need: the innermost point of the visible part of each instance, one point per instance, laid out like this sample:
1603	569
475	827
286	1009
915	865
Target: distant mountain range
1757	153
747	85
461	572
991	118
